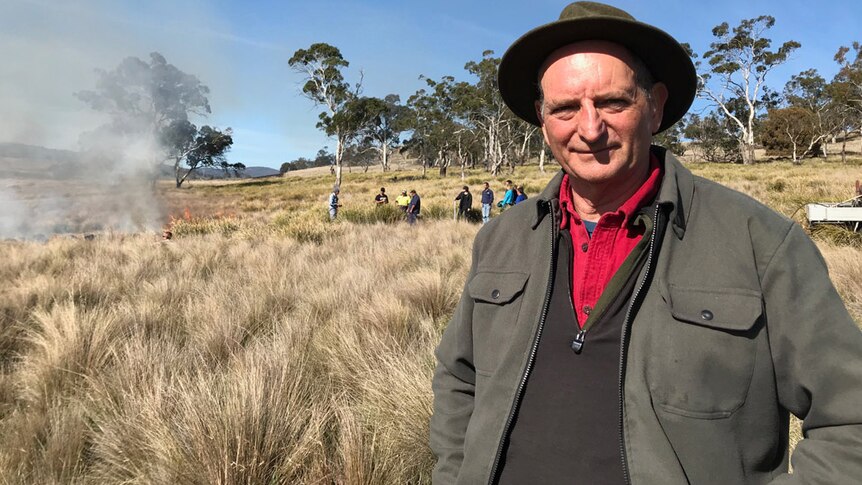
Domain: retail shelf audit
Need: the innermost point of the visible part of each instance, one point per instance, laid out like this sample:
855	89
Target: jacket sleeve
817	354
454	386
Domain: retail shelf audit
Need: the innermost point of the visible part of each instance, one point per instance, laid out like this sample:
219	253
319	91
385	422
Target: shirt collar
643	196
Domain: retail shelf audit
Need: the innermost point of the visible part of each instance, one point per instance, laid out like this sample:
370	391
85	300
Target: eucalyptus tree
846	89
737	65
810	92
384	120
321	66
506	138
143	100
190	148
437	129
671	138
792	130
714	137
851	73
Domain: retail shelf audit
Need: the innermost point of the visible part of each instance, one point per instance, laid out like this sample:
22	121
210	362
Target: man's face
595	119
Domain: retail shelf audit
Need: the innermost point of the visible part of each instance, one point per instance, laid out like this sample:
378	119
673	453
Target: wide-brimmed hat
665	58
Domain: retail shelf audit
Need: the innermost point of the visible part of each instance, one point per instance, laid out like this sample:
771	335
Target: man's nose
591	126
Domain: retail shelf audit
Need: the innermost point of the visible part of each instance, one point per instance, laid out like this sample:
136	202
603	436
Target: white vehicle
848	212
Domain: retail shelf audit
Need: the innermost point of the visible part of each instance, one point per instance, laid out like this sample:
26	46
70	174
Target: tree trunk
461	158
442	159
542	159
177	169
844	147
385	157
747	153
339	160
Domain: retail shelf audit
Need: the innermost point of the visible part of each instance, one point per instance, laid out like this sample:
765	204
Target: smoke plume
66	167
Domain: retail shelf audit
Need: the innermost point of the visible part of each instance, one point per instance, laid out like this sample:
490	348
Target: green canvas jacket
736	324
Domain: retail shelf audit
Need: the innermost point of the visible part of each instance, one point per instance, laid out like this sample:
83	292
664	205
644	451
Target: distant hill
18	160
249	172
37	153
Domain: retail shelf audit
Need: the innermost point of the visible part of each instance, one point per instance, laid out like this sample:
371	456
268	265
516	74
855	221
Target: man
487	201
635	323
414	207
508	197
465	202
381	198
403	201
333	203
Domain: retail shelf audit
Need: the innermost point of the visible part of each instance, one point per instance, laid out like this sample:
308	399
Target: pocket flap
499	288
722	308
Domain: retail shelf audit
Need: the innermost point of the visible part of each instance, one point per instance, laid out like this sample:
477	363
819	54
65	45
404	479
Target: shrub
776	185
836	234
305	227
436	212
204	225
387	213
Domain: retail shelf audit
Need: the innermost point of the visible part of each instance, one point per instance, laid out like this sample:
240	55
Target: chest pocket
707	351
496	304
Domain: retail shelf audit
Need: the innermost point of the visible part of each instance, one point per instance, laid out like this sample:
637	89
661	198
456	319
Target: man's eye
563	110
615	103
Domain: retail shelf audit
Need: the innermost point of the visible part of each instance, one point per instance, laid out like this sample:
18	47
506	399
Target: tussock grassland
212	359
265	344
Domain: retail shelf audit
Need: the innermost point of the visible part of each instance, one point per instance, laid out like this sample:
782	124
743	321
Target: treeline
449	122
745	112
465	124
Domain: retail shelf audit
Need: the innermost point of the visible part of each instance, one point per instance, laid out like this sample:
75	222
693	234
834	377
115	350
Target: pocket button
495	294
706	315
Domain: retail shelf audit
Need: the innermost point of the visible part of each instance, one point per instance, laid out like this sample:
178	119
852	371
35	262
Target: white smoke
53	50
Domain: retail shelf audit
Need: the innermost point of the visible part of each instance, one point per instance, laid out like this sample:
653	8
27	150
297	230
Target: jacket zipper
578	342
623	346
519	394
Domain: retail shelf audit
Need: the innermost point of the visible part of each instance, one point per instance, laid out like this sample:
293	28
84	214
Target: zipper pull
578	342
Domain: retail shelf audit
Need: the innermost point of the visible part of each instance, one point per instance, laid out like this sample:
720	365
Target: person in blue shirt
414	207
521	196
487	200
509	198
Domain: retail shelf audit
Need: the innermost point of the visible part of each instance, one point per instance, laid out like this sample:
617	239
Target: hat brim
666	59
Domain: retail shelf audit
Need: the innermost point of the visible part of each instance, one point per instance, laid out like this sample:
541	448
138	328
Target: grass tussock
266	343
837	235
235	360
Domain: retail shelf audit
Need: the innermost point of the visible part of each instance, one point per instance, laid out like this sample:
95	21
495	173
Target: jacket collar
677	191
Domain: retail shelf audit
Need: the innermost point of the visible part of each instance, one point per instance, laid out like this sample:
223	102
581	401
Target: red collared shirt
596	259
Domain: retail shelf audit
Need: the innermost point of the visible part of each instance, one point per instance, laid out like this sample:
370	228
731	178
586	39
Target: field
264	344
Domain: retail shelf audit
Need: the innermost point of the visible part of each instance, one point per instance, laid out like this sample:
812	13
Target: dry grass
265	344
215	359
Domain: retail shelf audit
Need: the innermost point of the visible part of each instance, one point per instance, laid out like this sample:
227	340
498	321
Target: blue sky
240	49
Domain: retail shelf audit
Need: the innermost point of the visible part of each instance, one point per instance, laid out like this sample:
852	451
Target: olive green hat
665	58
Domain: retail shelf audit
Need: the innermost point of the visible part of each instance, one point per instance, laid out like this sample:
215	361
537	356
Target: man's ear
658	97
538	106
